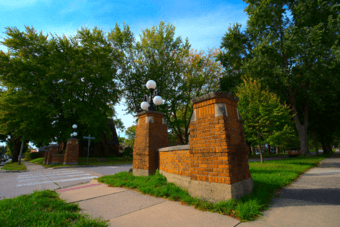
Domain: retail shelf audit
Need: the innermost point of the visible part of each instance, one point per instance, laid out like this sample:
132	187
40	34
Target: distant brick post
151	134
219	167
53	149
46	154
72	152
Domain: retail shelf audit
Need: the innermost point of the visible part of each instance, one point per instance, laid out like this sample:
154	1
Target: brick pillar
53	149
219	167
72	152
151	134
46	154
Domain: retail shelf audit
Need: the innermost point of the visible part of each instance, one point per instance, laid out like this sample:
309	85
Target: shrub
33	155
128	151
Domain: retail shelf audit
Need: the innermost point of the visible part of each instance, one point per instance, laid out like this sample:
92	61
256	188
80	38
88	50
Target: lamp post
157	100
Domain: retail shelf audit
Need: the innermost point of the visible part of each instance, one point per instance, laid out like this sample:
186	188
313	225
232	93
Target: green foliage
130	133
296	59
128	151
264	118
77	85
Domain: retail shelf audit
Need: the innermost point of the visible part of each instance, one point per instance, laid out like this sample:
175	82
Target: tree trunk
268	149
252	150
303	140
323	144
329	146
16	147
260	152
315	141
277	149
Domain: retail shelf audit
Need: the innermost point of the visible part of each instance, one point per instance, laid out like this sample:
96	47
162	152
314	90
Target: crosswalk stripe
23	180
63	180
56	174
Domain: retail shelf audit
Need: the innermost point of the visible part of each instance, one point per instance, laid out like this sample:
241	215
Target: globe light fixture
157	100
74	134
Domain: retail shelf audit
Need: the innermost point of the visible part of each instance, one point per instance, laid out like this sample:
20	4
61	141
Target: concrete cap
217	94
149	111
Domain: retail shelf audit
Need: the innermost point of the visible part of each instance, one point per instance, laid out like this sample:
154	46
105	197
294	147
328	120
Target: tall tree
52	84
180	75
288	56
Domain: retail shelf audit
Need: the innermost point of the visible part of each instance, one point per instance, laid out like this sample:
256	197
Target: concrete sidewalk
312	200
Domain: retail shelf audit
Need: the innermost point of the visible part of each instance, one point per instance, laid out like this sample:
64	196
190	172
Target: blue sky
203	22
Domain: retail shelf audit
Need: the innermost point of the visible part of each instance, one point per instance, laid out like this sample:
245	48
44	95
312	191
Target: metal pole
88	150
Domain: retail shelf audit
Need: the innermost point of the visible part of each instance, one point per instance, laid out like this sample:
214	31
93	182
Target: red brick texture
218	150
72	152
46	154
151	134
176	162
57	158
52	149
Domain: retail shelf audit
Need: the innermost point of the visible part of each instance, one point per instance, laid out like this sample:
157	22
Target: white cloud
206	31
74	6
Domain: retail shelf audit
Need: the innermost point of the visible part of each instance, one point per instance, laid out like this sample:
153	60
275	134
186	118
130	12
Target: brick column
151	134
72	152
219	167
46	154
53	149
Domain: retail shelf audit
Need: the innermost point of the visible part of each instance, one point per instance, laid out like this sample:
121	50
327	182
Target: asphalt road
40	178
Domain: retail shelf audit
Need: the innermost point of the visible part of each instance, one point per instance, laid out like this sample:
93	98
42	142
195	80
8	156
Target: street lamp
157	100
74	134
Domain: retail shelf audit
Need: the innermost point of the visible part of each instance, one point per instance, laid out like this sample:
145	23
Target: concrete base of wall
180	180
211	191
70	163
142	172
55	162
215	192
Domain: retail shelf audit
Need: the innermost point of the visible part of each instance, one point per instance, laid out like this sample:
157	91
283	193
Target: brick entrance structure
151	134
214	165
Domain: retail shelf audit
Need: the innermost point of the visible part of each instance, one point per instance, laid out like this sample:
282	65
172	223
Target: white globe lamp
151	84
158	100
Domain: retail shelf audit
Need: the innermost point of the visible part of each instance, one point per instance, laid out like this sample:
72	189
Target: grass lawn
268	155
44	208
14	166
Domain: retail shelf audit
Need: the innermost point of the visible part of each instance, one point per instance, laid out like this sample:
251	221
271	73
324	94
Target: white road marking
85	174
58	173
45	182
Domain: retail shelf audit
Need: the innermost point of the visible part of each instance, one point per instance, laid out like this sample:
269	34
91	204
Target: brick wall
175	162
151	134
218	151
72	152
46	155
52	149
57	158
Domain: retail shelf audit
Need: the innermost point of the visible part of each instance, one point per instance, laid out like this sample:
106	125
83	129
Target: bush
29	156
128	151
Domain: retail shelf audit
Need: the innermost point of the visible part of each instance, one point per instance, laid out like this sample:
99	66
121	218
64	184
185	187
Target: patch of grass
44	208
269	178
267	155
14	166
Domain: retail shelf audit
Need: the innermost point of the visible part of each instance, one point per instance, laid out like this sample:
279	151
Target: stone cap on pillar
53	145
217	94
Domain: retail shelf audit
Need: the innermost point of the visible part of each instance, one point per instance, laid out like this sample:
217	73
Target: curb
13	171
